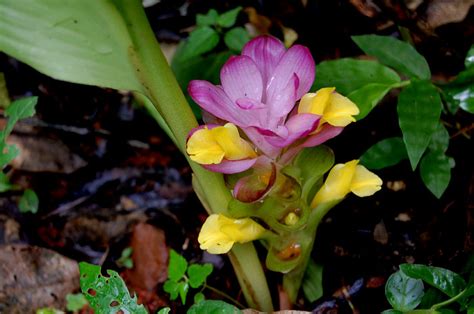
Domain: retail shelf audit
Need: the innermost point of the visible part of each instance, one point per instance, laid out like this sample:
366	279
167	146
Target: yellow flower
210	146
345	178
219	233
334	108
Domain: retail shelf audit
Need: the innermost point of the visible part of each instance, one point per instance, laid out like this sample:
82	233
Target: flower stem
161	87
224	295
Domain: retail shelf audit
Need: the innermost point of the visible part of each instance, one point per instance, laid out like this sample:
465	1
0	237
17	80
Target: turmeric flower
219	233
346	178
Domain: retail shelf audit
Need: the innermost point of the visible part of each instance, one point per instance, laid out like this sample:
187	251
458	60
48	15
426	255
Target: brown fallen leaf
41	154
33	277
441	12
150	258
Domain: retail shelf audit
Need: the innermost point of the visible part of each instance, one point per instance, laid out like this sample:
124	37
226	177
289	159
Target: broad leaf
177	266
461	95
228	19
348	75
107	294
198	274
440	139
313	281
208	19
435	169
83	41
386	153
213	307
443	279
29	202
367	97
236	38
402	292
419	109
201	40
395	53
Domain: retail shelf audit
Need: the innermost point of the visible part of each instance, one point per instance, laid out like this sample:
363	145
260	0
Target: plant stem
447	302
225	295
161	87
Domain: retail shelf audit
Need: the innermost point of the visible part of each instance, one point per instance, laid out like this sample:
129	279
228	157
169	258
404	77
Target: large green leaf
440	139
395	53
419	109
83	41
435	169
402	292
443	279
368	96
386	153
348	75
107	294
313	281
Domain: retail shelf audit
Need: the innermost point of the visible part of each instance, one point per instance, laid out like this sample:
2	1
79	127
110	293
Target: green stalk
162	89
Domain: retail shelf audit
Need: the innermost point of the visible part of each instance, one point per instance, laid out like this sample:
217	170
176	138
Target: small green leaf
19	109
440	139
199	297
395	53
8	152
213	307
313	281
236	38
386	153
164	310
5	184
469	61
125	259
208	19
227	19
29	202
443	279
177	266
402	292
348	75
312	164
48	311
183	288
201	40
419	109
198	274
171	287
75	302
435	169
107	294
368	96
461	95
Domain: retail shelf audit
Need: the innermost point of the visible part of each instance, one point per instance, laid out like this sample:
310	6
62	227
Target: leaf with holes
396	54
402	292
198	274
107	294
419	109
348	75
443	279
386	153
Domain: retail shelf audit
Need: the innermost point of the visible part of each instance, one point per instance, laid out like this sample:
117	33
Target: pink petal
241	78
266	51
249	103
326	133
282	101
297	60
298	127
231	166
214	100
259	140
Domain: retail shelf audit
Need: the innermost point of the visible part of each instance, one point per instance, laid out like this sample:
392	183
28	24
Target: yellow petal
219	233
340	110
232	144
316	103
337	184
365	183
203	148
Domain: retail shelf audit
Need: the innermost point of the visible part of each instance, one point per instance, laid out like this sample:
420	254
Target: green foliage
213	307
178	283
236	38
402	292
405	291
48	311
313	281
228	19
201	40
348	75
75	302
208	19
125	259
435	170
29	202
368	96
396	54
107	294
4	96
386	153
419	109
